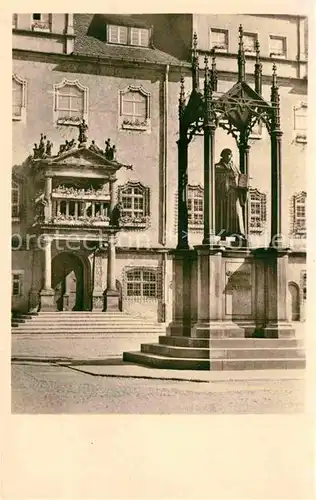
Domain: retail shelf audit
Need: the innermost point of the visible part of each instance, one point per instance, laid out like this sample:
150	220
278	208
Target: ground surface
48	388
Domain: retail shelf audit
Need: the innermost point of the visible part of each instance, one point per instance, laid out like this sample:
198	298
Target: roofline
183	66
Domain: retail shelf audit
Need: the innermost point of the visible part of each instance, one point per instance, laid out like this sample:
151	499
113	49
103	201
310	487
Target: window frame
299	230
154	271
195	192
23	86
134	124
219	49
16	186
275	55
300	134
132	215
139	31
255	37
257	198
119	28
64	120
41	24
20	273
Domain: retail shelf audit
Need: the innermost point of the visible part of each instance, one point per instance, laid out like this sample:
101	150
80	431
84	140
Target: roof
91	41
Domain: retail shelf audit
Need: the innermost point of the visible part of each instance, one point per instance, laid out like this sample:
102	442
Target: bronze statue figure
230	196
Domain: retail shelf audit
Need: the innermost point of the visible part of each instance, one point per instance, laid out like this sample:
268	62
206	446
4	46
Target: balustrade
80	211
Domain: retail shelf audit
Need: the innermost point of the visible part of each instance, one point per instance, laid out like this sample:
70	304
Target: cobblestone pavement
44	388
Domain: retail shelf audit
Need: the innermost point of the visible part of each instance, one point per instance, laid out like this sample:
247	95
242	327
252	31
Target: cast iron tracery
237	112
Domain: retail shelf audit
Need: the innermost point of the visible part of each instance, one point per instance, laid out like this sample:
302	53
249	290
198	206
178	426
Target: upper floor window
15	200
277	46
17	283
71	102
18	98
195	206
124	35
117	34
300	122
14	21
219	40
134	198
141	282
257	211
134	108
140	36
299	214
41	22
250	40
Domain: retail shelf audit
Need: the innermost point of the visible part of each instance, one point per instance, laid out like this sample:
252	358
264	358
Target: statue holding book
231	187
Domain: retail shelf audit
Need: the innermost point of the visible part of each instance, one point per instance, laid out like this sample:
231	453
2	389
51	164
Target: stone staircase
186	353
81	336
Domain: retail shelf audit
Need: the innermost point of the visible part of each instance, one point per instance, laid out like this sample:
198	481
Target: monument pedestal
111	300
47	297
182	289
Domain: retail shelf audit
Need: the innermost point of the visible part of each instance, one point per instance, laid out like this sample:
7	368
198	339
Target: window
195	206
18	98
15	200
141	282
219	40
71	102
17	283
41	22
14	21
300	122
134	198
299	214
250	42
134	108
124	35
117	34
277	46
257	211
140	37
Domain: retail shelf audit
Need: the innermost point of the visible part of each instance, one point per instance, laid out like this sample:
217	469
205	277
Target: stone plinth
181	293
47	300
111	300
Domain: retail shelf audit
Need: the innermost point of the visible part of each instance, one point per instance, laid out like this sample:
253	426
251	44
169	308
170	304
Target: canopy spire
258	70
241	56
213	71
195	64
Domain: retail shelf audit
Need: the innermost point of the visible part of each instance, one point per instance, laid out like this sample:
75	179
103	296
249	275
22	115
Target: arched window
71	102
141	282
15	200
195	206
134	108
134	198
299	214
257	211
18	98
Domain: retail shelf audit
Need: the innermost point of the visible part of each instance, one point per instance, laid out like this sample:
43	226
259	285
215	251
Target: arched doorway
294	293
69	280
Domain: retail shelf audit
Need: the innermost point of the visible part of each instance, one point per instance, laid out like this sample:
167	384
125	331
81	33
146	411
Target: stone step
230	353
100	321
165	362
88	329
229	342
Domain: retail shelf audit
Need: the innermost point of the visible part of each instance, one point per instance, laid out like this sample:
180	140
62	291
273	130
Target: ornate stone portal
76	196
219	286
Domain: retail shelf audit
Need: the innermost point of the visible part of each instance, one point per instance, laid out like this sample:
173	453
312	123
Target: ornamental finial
258	70
241	56
195	64
274	76
195	41
213	71
181	97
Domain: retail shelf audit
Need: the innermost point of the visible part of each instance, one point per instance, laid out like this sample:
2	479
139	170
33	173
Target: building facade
121	74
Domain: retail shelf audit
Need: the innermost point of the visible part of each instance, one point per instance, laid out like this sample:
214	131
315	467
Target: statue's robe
229	200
